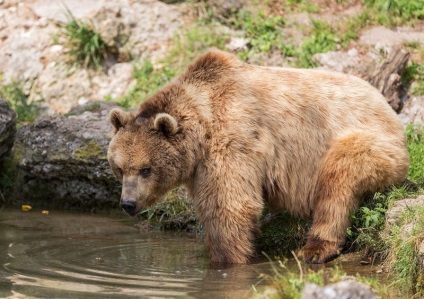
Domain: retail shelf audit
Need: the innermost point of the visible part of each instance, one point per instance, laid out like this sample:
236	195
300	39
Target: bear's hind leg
353	166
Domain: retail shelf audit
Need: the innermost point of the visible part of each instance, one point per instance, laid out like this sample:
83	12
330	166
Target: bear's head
144	156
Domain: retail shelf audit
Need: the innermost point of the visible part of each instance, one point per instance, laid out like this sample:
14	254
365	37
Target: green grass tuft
86	47
395	12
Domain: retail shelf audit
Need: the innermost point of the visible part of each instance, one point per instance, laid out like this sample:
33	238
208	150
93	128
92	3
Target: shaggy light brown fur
238	136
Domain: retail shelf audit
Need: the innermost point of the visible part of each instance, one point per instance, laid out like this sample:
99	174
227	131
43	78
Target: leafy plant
26	110
263	31
321	40
86	46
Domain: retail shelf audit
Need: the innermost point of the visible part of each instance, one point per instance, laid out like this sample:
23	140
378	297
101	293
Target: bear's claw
319	251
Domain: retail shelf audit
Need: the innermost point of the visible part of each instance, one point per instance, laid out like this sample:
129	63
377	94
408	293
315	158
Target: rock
401	206
237	44
225	8
118	22
63	160
383	38
7	128
413	111
339	61
349	289
58	11
62	87
29	55
117	82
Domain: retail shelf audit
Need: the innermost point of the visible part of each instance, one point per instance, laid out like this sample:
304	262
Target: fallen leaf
26	208
45	212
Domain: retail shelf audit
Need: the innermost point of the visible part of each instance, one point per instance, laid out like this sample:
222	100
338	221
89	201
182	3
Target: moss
281	233
90	150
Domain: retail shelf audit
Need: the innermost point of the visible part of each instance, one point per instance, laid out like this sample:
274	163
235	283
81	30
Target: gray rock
141	28
63	159
413	111
401	206
349	289
57	10
237	44
383	38
7	128
225	8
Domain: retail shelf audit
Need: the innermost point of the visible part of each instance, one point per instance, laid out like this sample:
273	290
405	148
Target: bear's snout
129	206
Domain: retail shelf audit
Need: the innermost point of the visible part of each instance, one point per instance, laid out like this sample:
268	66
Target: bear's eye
145	172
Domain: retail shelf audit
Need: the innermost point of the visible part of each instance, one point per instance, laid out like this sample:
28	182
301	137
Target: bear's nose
129	206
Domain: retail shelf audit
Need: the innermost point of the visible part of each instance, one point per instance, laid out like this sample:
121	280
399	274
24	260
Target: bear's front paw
318	251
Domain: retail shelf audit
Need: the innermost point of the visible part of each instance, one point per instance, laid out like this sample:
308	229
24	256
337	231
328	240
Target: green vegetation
415	135
264	32
281	233
85	46
415	73
149	80
289	284
187	45
321	40
403	242
26	110
173	212
395	12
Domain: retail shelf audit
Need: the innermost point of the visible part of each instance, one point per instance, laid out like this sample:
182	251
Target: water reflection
74	255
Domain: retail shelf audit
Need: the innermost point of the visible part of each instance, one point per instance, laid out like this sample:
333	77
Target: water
71	255
67	255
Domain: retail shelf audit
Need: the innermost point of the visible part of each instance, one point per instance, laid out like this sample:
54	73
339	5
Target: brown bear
240	136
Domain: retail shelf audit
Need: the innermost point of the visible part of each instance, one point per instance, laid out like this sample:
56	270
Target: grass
322	39
188	45
85	46
414	73
26	110
403	258
174	212
415	135
395	12
289	283
264	32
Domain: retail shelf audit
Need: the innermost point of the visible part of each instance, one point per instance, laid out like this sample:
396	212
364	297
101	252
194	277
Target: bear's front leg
230	236
230	209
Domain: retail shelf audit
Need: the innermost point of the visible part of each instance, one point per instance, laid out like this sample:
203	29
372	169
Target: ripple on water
105	256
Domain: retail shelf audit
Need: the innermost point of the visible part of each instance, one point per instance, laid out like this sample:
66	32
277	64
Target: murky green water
67	255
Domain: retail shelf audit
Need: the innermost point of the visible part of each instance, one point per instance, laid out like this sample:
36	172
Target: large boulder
63	160
7	128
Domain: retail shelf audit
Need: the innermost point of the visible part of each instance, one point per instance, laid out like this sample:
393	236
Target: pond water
74	255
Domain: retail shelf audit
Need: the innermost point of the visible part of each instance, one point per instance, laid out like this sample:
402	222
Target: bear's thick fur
238	136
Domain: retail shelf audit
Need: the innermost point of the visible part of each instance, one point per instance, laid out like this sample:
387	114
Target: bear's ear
166	124
119	118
